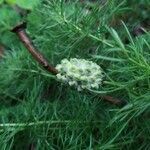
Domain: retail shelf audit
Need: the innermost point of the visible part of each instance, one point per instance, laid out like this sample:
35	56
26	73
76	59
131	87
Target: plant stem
23	36
21	33
114	101
30	124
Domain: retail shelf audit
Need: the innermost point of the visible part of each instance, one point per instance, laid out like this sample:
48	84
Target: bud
81	73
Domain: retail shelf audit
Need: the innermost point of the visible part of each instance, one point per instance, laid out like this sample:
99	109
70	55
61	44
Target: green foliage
11	2
9	18
25	4
37	110
1	1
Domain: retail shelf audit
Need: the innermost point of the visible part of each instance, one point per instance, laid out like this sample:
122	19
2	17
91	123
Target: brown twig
31	146
114	101
21	33
1	50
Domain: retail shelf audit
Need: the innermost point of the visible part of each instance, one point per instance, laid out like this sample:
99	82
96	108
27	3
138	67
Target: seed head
81	73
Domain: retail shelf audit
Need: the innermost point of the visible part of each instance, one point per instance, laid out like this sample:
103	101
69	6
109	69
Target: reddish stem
21	33
1	50
114	101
